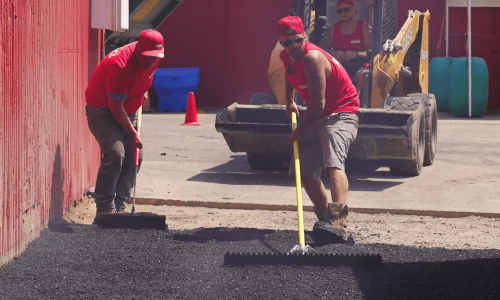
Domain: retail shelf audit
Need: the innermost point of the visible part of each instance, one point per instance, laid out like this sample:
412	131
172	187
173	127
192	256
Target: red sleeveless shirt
340	93
352	42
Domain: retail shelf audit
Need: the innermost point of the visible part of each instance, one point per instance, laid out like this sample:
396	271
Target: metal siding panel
48	157
208	22
222	79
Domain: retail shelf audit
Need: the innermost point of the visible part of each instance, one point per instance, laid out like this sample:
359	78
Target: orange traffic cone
191	116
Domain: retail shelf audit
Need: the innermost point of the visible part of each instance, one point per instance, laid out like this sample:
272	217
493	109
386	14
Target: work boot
333	227
321	216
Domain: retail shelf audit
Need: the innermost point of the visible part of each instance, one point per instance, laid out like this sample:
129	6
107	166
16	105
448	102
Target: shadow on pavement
238	172
61	228
223	234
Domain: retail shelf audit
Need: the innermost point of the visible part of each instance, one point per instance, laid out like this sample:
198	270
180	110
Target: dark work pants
116	175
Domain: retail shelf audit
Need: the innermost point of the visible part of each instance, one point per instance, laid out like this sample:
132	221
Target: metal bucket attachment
382	135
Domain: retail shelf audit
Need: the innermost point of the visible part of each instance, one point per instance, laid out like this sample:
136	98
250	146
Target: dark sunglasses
297	41
345	9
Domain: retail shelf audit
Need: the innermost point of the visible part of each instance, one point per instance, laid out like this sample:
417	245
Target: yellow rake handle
300	212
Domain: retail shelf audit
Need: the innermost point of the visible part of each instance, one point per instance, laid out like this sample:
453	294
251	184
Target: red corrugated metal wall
229	40
485	22
48	157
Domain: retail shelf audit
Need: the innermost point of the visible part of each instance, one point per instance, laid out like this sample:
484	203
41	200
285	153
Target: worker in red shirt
349	41
114	94
328	127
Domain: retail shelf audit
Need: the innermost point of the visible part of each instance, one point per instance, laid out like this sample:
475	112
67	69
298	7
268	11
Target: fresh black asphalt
88	262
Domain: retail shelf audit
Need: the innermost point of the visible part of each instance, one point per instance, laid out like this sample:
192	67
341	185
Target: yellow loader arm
394	66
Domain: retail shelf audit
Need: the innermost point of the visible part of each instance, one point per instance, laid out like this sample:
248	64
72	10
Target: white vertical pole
469	34
447	12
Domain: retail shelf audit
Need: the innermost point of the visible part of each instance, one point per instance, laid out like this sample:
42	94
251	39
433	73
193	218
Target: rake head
329	260
140	220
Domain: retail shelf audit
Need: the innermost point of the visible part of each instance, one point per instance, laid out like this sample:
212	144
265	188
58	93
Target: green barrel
439	81
459	87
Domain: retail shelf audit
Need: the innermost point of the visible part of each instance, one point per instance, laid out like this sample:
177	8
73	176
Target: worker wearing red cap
349	41
114	94
328	127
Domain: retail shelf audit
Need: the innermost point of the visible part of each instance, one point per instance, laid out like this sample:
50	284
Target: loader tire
264	161
411	167
261	98
431	126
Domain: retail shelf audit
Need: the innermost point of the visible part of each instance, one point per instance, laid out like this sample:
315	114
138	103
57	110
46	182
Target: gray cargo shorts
326	144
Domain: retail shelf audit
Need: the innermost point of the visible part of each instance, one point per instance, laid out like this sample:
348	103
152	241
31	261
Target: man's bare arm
326	42
367	37
289	92
314	70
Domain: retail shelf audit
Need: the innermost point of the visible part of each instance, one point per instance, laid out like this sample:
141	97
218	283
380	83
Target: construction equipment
143	14
301	254
132	220
398	118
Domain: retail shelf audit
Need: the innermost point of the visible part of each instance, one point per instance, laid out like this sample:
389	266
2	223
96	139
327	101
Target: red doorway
485	43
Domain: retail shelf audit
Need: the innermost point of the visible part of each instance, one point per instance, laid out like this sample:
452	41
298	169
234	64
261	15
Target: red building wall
48	157
229	40
485	30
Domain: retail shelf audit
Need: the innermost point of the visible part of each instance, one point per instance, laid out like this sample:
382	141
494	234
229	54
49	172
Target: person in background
349	41
114	94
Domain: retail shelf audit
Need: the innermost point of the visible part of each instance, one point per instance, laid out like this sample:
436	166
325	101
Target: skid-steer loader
398	117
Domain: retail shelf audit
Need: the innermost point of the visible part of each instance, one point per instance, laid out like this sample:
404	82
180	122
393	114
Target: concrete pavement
192	165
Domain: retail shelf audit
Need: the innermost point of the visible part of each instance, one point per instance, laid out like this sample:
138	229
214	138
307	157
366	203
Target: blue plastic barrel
173	87
459	87
439	81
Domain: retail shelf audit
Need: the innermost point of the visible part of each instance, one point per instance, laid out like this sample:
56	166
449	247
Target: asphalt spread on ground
88	262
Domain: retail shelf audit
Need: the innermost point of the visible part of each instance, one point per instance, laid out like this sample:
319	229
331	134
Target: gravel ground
73	261
450	233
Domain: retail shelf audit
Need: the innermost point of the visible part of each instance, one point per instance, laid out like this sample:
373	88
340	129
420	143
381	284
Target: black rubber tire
411	167
261	98
431	126
264	161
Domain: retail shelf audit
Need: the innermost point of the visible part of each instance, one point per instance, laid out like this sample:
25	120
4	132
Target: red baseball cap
346	2
150	43
290	26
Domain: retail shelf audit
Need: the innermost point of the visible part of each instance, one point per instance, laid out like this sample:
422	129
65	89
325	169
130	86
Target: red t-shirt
340	93
120	76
